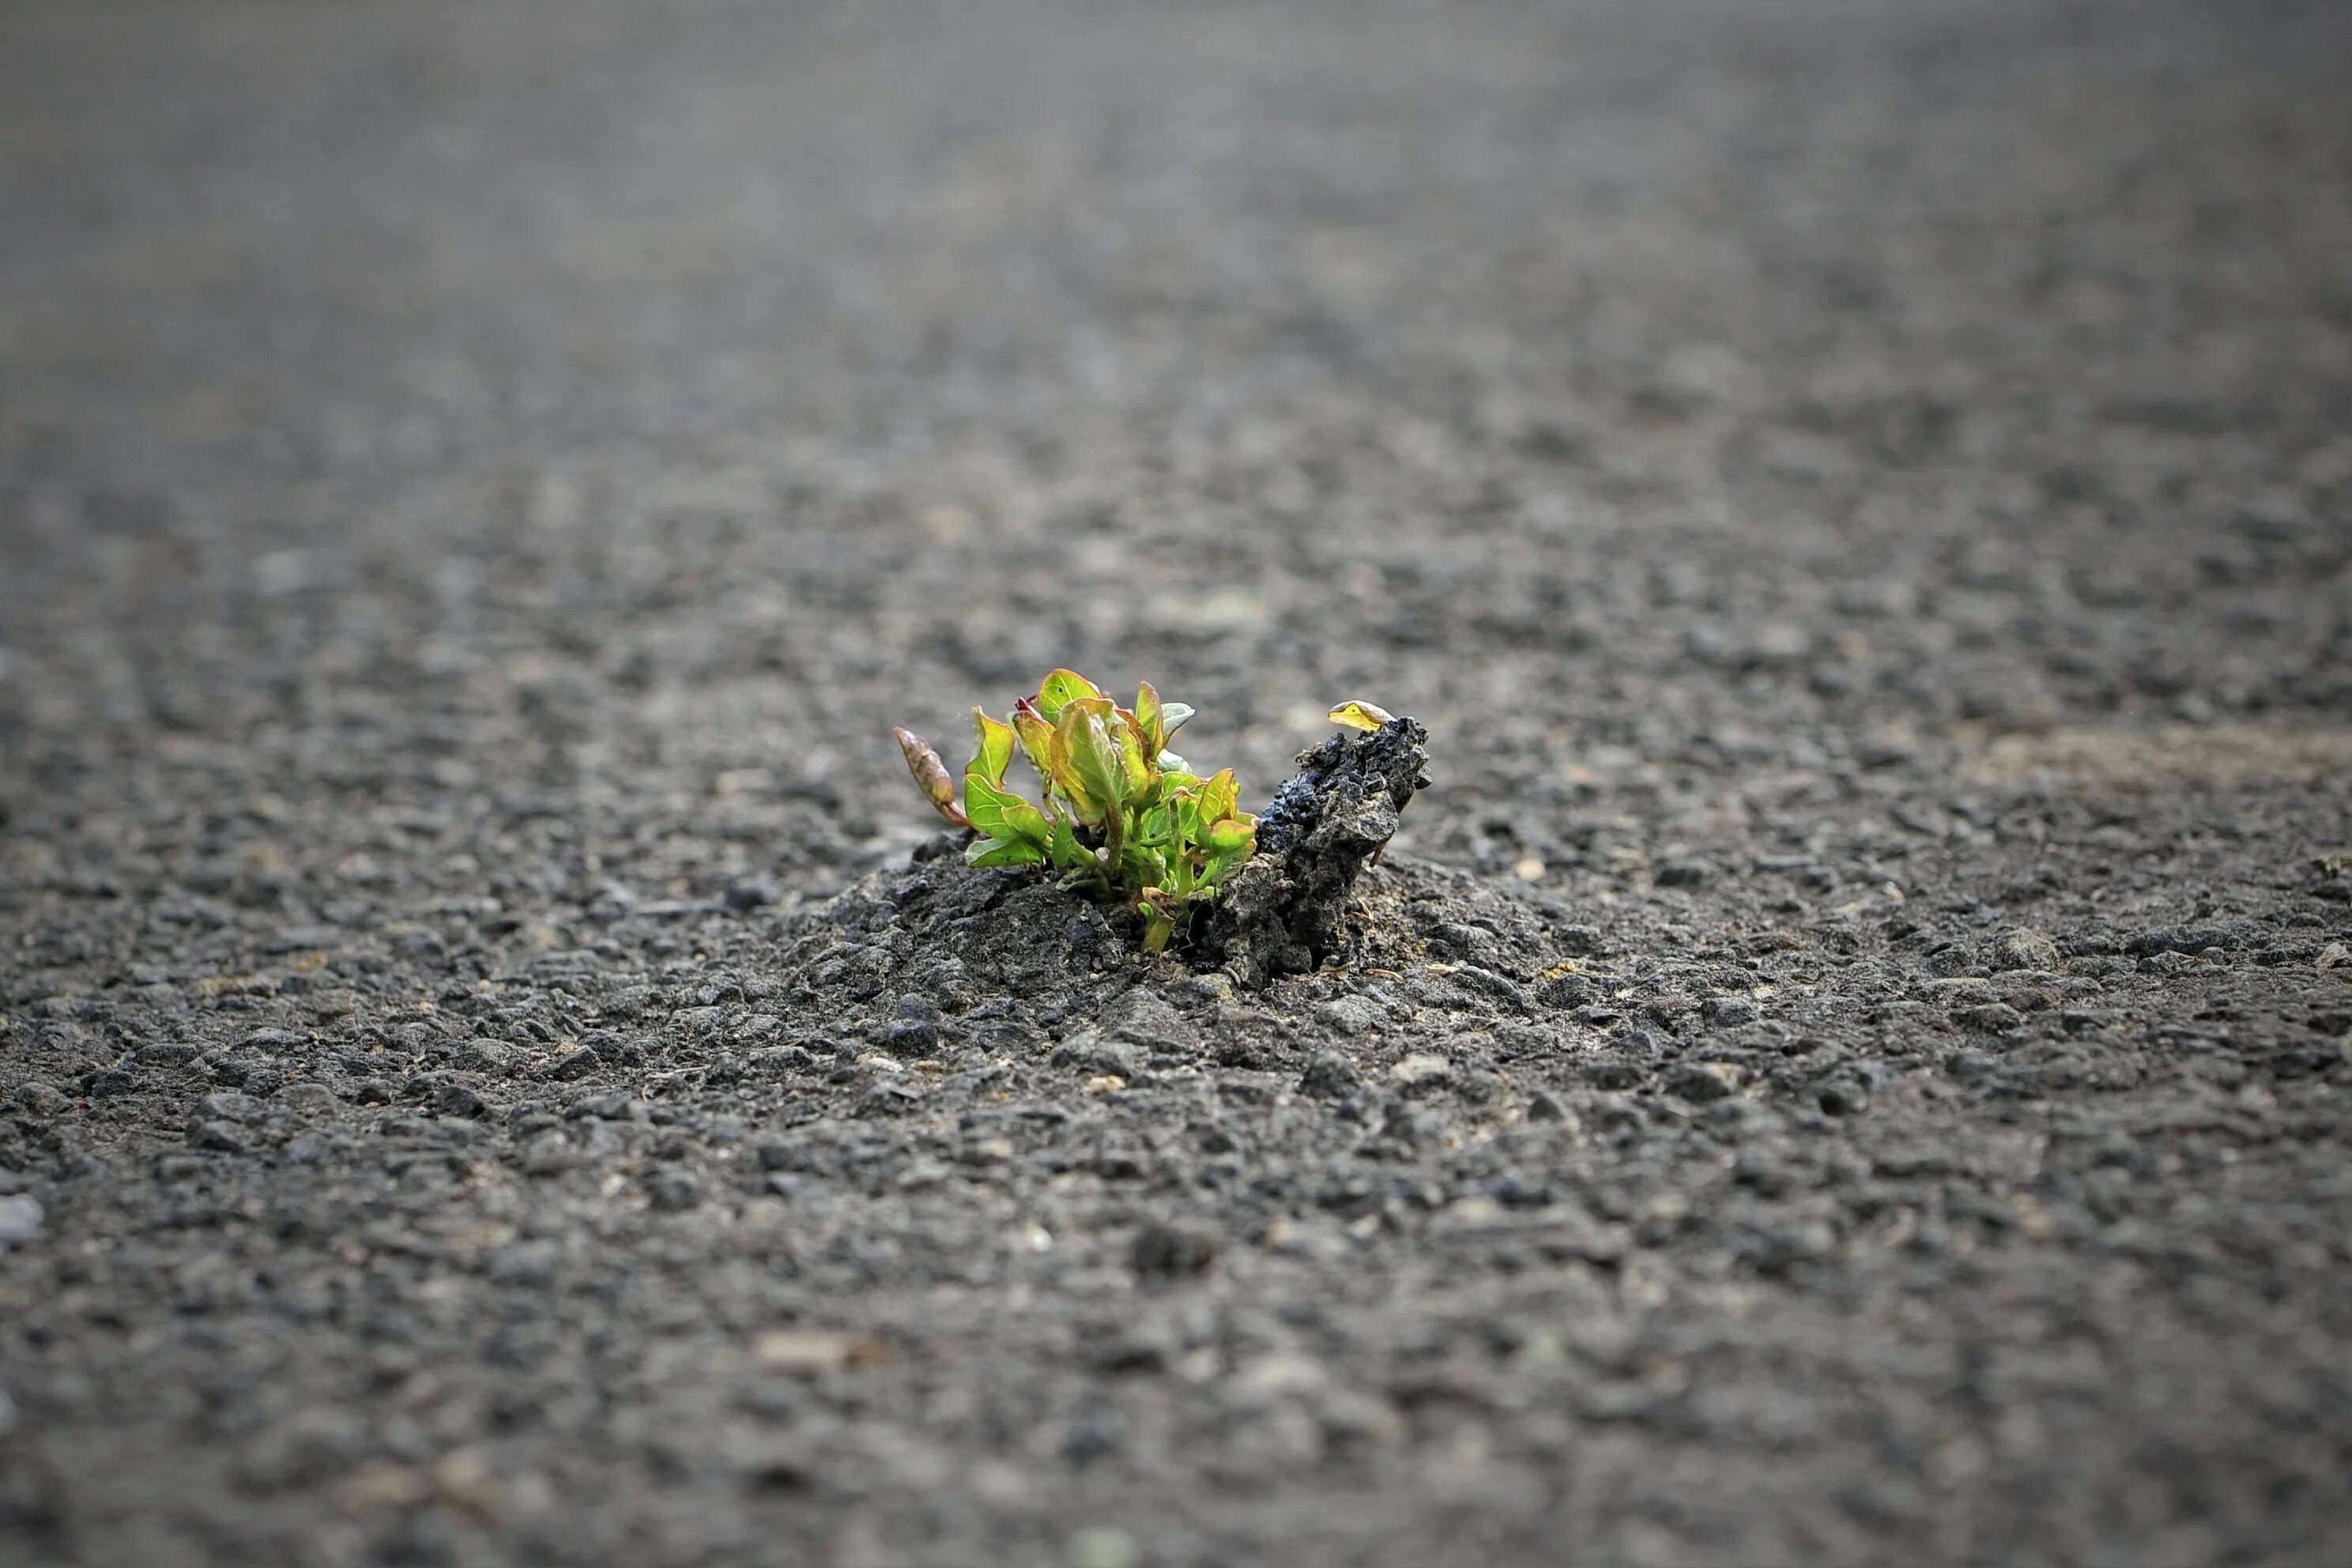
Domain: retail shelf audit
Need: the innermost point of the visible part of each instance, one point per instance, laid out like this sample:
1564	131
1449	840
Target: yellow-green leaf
1059	689
1000	813
1082	733
1234	832
1036	736
994	741
1062	772
1220	795
1151	723
1357	714
1134	761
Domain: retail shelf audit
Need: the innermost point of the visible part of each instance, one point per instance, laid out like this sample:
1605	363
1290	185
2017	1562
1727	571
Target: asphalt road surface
1851	1061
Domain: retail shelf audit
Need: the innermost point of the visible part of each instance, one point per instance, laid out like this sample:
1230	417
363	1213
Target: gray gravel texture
1848	1063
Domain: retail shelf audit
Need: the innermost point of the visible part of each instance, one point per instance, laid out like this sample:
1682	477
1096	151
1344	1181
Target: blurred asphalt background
470	470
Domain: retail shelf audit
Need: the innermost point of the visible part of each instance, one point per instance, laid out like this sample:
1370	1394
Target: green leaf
1000	813
1036	737
1082	735
1229	841
1142	867
1061	689
1134	761
1235	835
1122	817
1062	774
1159	922
1188	817
1032	825
1067	853
994	742
1003	852
1219	796
1150	723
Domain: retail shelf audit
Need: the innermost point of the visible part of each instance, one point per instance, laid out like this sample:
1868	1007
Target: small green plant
1121	817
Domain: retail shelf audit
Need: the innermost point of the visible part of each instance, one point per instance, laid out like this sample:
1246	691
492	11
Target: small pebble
20	1218
578	1065
672	1192
457	1099
1172	1251
309	1098
1700	1082
1328	1075
1102	1546
220	1137
42	1099
1420	1071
